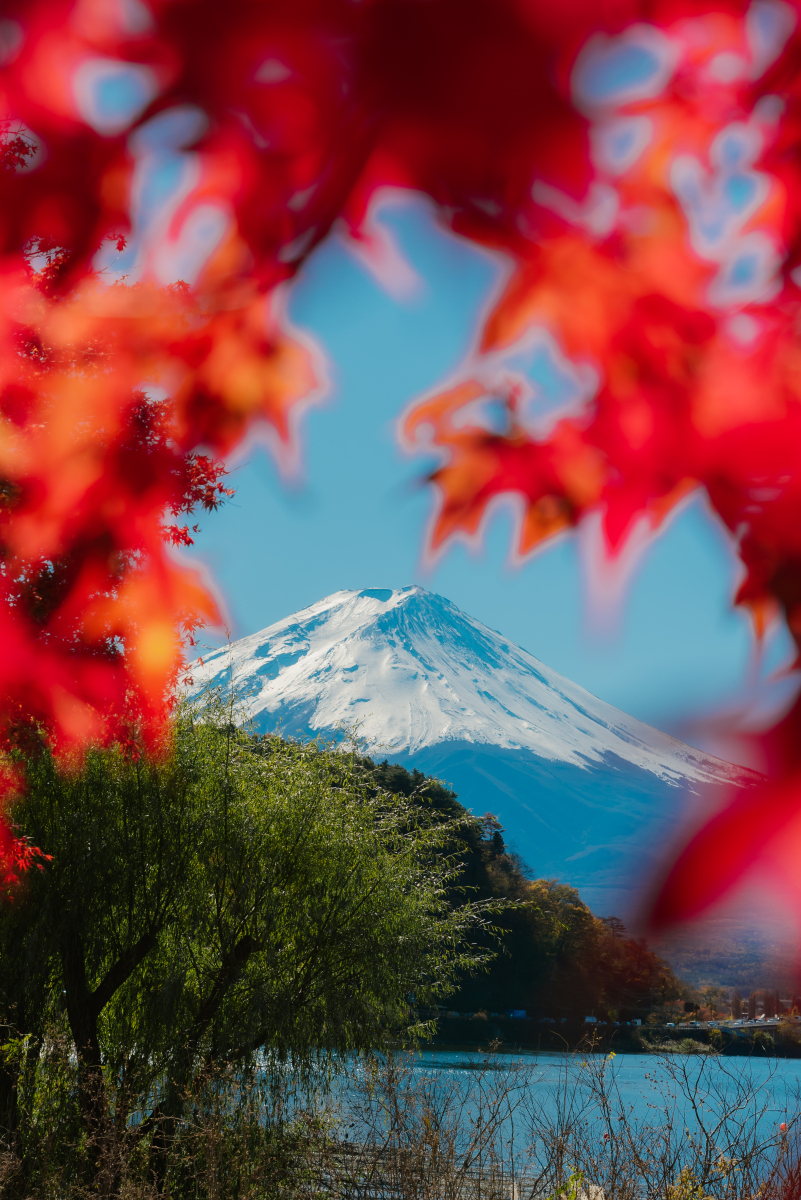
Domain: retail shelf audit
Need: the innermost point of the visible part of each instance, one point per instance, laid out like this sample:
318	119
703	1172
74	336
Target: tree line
556	959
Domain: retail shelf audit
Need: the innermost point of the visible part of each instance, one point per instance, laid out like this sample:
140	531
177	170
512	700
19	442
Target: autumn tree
649	223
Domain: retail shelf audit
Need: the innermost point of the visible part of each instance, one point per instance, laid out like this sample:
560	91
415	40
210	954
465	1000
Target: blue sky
357	518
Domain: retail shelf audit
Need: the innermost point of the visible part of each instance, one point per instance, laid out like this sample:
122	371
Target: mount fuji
585	793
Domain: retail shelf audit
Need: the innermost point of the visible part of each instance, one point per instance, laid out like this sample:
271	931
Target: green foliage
557	959
572	1189
227	906
685	1046
221	924
686	1187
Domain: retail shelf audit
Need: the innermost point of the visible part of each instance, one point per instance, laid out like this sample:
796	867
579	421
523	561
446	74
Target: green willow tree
227	906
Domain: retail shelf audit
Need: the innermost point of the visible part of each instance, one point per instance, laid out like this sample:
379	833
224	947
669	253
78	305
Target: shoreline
507	1036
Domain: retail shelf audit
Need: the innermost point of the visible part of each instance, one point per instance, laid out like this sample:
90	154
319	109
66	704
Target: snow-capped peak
415	671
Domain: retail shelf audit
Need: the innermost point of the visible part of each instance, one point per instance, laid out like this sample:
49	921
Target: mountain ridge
585	792
309	662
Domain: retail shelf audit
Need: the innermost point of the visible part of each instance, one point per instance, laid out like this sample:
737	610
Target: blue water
644	1084
636	1075
688	1092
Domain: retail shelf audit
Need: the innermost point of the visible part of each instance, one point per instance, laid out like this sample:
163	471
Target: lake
642	1082
532	1096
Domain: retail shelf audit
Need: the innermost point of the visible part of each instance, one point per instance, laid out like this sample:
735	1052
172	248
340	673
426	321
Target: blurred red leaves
636	163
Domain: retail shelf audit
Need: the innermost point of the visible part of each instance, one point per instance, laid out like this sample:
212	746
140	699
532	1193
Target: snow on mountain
416	672
585	793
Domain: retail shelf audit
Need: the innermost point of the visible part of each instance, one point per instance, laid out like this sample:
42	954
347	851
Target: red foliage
17	856
637	162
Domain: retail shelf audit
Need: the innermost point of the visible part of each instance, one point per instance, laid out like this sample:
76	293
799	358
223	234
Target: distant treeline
558	960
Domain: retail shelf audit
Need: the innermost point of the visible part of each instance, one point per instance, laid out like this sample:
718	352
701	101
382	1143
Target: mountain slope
585	792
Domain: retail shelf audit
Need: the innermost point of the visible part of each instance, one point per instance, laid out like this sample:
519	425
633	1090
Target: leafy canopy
221	904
